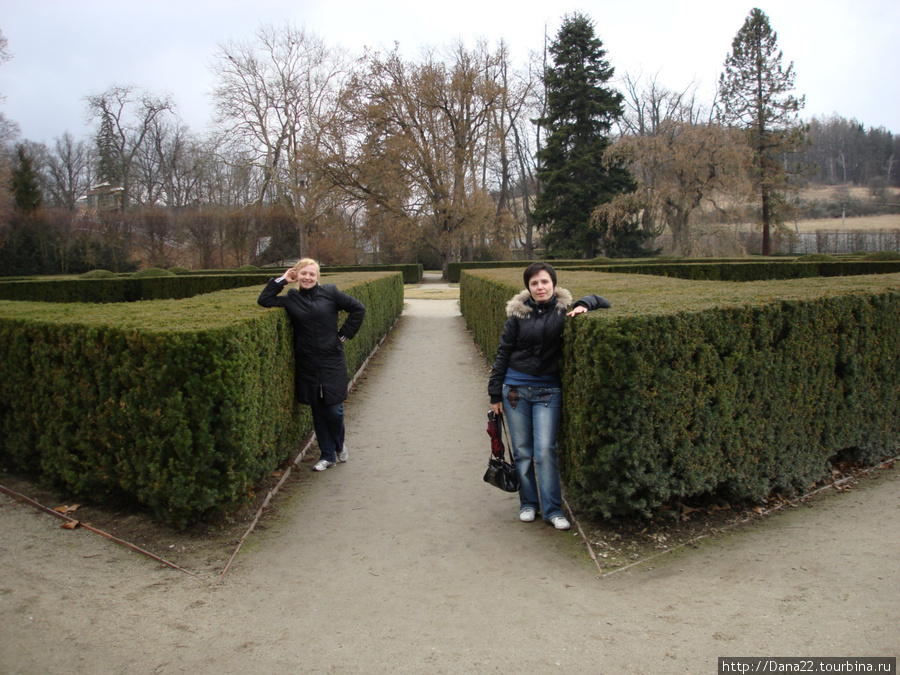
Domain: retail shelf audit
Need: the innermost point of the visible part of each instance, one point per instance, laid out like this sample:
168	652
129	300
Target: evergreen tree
754	94
26	184
628	240
580	113
109	165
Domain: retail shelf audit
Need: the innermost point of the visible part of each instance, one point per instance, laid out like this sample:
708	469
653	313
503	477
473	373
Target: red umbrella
493	430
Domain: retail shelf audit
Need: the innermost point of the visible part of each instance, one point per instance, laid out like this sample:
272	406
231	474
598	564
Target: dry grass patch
867	223
425	293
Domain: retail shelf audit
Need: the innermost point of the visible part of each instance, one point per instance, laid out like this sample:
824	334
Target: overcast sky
846	53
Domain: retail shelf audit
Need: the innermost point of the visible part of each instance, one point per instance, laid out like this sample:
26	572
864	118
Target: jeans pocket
512	395
549	398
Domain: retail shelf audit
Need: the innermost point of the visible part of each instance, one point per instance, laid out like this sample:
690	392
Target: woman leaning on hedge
320	372
525	386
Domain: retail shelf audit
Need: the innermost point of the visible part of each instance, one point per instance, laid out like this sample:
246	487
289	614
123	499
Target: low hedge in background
177	405
412	273
124	289
454	269
751	270
157	284
714	269
688	388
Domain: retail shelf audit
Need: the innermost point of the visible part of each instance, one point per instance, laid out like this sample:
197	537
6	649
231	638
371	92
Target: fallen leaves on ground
67	509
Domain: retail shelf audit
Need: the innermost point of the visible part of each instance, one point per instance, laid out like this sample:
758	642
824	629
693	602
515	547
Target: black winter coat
532	339
320	367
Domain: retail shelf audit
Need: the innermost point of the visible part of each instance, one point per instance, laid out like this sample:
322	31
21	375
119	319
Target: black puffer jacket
532	342
320	367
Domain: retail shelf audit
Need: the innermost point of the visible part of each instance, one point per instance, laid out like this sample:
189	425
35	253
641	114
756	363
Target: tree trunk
766	240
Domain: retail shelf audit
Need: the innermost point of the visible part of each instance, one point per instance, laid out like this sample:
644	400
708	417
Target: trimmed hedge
158	284
687	388
180	406
124	289
454	269
753	270
412	273
98	274
719	269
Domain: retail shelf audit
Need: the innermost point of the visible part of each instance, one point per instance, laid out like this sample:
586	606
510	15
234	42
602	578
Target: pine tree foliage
26	184
755	95
109	165
581	110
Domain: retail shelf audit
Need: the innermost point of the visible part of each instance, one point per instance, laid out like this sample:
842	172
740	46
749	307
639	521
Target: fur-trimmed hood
522	304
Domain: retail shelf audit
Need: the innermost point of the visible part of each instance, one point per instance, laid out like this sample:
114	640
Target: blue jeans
532	428
328	421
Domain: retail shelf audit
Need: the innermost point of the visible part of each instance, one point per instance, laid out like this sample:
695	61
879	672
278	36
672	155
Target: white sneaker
322	464
560	523
526	515
343	455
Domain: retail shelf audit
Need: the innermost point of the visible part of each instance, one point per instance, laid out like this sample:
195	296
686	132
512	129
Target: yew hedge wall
126	289
710	269
178	405
172	284
689	388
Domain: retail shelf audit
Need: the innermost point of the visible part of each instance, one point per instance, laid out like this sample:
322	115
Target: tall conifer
26	185
754	95
109	165
580	113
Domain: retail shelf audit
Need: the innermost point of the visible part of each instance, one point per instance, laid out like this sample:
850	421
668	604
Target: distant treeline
844	152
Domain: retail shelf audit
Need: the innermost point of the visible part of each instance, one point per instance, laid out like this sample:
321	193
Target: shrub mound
883	255
151	272
98	274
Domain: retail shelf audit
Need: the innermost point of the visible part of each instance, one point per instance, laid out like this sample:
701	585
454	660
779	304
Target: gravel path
404	561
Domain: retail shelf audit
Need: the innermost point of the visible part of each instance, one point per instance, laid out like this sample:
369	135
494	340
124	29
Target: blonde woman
320	367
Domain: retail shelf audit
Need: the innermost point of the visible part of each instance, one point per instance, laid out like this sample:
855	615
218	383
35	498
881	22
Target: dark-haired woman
525	386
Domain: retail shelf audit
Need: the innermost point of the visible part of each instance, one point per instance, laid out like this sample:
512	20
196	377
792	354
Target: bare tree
66	170
649	103
242	233
413	140
203	230
271	97
170	165
156	234
125	118
9	132
516	145
679	168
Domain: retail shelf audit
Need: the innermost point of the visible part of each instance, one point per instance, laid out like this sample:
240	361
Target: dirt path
404	561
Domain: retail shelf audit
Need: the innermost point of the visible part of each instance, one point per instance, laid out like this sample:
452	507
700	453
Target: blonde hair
306	262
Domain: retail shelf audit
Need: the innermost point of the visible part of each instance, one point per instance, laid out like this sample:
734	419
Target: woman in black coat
320	367
525	386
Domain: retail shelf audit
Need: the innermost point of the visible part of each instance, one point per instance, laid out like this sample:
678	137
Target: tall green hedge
177	405
689	388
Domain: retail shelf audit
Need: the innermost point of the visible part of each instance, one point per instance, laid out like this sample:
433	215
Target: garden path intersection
403	561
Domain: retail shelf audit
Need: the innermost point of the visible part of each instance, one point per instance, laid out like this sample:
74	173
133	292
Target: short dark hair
536	267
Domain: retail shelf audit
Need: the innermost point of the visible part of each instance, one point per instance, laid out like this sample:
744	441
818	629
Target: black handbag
500	473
